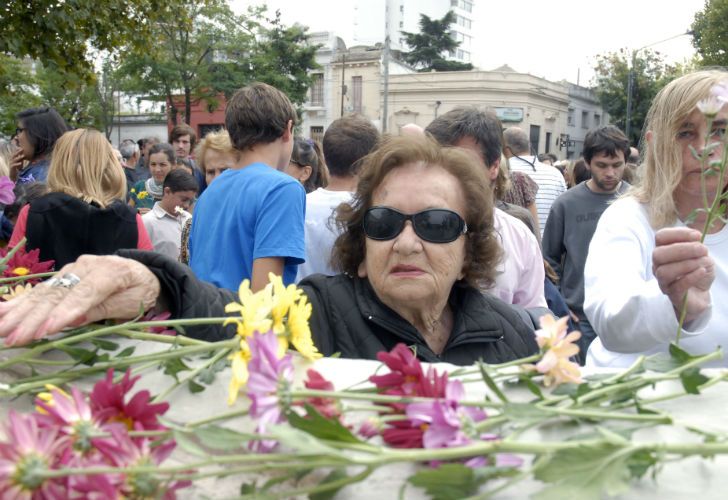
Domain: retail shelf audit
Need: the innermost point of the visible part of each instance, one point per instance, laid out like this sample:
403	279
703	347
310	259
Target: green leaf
640	462
194	387
80	355
248	488
490	382
691	379
220	438
105	345
679	355
173	366
319	426
524	411
448	482
207	376
302	442
661	362
588	472
185	443
126	352
530	385
334	475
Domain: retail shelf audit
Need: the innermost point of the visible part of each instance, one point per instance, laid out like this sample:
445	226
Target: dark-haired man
346	142
575	214
249	222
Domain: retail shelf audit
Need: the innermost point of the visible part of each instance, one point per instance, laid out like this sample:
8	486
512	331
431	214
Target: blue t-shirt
247	214
35	171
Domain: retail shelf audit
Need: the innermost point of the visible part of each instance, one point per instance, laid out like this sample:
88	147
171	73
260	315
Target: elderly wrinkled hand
681	264
88	290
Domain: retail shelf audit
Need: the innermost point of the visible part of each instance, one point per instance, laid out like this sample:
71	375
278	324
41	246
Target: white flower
720	91
710	106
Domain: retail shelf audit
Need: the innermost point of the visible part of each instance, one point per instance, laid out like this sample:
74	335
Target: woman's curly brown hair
482	251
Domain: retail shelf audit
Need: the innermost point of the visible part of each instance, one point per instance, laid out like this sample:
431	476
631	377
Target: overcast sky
555	39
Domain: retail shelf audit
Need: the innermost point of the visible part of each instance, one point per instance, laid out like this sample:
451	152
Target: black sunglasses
436	225
18	130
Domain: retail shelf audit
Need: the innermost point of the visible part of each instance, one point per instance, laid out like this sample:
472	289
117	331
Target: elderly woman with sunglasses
418	240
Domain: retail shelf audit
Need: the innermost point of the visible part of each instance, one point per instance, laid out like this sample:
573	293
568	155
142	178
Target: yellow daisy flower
254	310
19	290
299	331
240	371
283	298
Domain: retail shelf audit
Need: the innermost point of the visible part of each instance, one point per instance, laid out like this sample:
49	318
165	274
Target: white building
585	112
374	19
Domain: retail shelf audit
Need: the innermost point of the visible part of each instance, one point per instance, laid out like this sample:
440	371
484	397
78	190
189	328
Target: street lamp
631	77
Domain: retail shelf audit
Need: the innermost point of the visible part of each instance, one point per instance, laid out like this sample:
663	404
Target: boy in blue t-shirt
250	221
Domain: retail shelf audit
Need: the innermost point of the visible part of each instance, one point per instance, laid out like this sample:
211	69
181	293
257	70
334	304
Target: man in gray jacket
574	216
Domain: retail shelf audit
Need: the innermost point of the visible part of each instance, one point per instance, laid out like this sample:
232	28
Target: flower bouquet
248	417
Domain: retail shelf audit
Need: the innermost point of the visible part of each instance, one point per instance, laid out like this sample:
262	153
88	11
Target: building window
584	119
356	93
401	8
570	118
597	120
317	133
464	22
401	24
317	89
466	5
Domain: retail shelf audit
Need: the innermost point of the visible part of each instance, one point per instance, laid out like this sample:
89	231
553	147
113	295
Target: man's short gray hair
128	148
517	141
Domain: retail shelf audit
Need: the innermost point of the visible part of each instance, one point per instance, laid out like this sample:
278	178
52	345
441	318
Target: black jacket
348	317
64	227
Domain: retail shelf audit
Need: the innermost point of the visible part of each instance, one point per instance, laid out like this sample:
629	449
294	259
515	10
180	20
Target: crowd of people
453	238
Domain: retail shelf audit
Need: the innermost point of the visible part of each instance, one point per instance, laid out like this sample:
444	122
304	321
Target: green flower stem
216	418
162	339
606	415
4	261
332	485
27	277
73	339
634	367
192	375
36	382
374	398
490	423
50	362
461	372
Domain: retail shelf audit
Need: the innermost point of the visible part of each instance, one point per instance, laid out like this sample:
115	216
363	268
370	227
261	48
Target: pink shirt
520	277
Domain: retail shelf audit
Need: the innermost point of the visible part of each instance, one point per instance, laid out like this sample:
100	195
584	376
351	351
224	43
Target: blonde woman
215	155
84	211
646	252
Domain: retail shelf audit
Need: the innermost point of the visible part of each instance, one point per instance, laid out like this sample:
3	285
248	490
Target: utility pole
343	85
385	61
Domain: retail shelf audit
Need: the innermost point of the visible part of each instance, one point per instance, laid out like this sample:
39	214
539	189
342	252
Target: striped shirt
550	183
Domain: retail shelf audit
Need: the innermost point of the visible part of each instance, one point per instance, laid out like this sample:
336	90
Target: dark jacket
64	227
348	318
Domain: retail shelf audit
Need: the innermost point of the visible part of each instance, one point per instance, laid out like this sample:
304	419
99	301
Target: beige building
538	106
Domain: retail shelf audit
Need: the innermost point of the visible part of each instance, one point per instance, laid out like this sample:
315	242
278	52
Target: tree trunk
188	105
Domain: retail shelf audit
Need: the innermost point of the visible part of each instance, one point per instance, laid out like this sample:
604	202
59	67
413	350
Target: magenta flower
71	414
267	372
161	330
328	407
7	195
122	451
29	449
109	404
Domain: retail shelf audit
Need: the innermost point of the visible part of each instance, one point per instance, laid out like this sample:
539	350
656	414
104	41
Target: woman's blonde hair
216	141
83	165
662	166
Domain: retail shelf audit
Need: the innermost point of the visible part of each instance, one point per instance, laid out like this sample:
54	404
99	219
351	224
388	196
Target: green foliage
17	91
213	51
431	44
59	34
323	428
590	472
456	481
710	33
611	79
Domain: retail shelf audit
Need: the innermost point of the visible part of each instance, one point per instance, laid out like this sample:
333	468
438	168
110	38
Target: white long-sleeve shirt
623	300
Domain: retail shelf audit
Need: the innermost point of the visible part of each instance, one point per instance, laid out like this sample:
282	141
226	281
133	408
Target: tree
710	33
430	45
59	33
214	51
611	81
17	91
